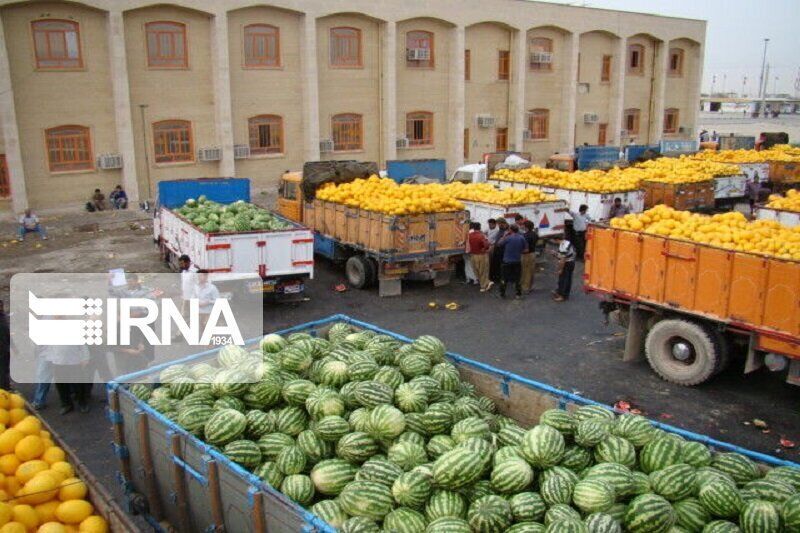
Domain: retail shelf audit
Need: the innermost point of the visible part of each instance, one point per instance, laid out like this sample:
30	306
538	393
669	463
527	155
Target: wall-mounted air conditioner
241	151
109	161
209	154
326	146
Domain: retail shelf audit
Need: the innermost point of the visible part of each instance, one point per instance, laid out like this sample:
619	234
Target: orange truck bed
746	292
681	196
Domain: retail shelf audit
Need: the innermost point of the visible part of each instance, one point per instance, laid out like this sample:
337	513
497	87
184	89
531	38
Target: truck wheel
682	352
724	351
358	271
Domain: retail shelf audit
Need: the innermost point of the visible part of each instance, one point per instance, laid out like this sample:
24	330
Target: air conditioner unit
209	154
241	151
402	142
485	121
326	146
527	135
109	161
418	54
542	57
590	118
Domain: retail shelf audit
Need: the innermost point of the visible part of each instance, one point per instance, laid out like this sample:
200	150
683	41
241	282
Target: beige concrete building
95	93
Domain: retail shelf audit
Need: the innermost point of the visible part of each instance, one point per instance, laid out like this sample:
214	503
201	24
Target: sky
734	38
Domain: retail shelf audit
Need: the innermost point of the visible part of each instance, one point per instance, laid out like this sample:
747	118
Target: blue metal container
634	151
174	193
401	169
590	157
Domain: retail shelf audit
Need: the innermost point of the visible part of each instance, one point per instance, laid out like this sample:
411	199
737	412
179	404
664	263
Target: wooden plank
151	486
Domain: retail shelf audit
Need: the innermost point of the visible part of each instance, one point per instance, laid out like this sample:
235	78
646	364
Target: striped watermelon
720	498
438	444
649	513
297	391
414	364
332	428
790	514
641	483
590	432
414	422
602	523
448	525
438	418
721	526
194	417
467	406
224	426
691	515
266	393
445	503
674	482
430	346
405	520
291	460
291	420
759	516
272	443
243	452
566	525
385	422
270	473
487	404
559	512
559	471
272	343
695	454
412	489
527	506
298	336
635	429
313	446
230	402
489	514
542	446
327	403
348	395
295	359
141	391
526	527
459	468
230	356
576	458
447	377
412	437
705	474
358	419
362	370
380	471
259	423
356	447
411	398
556	489
471	427
511	434
180	387
334	373
618	476
299	488
618	511
331	475
660	453
511	476
330	512
338	331
479	490
373	393
787	474
771	490
359	524
171	373
505	453
389	375
407	455
593	495
559	419
586	412
613	449
742	469
366	498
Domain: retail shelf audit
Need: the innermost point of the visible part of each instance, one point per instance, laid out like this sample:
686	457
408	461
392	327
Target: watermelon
271	444
243	452
270	473
674	482
313	446
438	444
559	512
407	455
556	489
330	476
230	382
742	469
445	503
332	428
542	446
559	419
259	423
470	427
224	426
338	331
410	398
171	373
181	387
411	489
760	517
576	458
618	476
297	391
613	449
506	453
431	347
230	402
602	523
373	393
412	438
272	343
527	506
291	460
720	498
526	527
790	514
590	432
721	526
366	498
771	490
649	513
389	375
414	364
448	525
291	420
691	515
334	373
194	417
511	476
586	412
640	483
489	514
356	447
330	512
787	474
294	359
468	406
385	422
459	467
695	454
405	520
299	488
511	435
362	370
660	453
706	474
593	495
438	418
230	356
266	393
380	471
566	525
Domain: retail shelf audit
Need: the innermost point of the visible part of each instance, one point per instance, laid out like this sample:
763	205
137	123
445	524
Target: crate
681	196
787	218
784	172
192	487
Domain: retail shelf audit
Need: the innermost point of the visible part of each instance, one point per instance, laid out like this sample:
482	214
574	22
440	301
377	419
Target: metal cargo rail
177	481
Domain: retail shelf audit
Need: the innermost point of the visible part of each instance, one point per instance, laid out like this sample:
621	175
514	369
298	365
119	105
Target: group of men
118	199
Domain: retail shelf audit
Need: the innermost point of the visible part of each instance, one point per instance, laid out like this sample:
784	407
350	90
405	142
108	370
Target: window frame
674	114
467	64
419	116
253	126
5	179
501	133
184	36
504	60
638	70
466	144
172	158
605	68
39	60
348	148
247	61
539	114
360	48
680	55
636	114
64	167
547	46
416	63
602	134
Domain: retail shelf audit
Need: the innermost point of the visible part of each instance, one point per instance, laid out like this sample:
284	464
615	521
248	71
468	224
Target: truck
376	248
783	216
480	172
282	259
597	157
686	305
402	169
174	479
548	217
682	196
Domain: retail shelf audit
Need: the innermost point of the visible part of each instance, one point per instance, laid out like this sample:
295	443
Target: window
501	139
345	47
69	148
605	69
166	44
289	190
419	128
636	59
602	133
467	65
419	49
632	121
172	141
541	53
262	46
503	64
466	143
671	116
57	44
266	134
5	184
676	62
539	123
347	132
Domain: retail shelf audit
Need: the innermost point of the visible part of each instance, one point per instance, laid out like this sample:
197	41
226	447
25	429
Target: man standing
28	223
580	221
206	294
188	281
566	266
469	268
513	246
70	371
618	209
479	256
492	231
531	237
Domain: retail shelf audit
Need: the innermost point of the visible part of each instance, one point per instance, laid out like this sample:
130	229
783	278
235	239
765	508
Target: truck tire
682	352
359	271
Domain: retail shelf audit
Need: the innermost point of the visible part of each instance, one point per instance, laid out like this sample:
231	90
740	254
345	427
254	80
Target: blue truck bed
401	169
174	193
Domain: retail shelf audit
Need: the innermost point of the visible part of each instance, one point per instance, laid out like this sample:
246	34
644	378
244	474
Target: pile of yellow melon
683	170
783	153
790	202
384	195
731	231
597	181
39	491
484	192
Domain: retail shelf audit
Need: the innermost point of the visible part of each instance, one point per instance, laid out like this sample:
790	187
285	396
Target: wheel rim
682	350
355	272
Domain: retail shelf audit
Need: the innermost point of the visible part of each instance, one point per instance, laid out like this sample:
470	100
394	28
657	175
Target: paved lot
565	345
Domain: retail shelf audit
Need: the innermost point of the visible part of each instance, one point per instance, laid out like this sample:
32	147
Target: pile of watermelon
213	217
371	434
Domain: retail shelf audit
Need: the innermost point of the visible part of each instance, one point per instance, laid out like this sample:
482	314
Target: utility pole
761	86
744	86
775	86
713	82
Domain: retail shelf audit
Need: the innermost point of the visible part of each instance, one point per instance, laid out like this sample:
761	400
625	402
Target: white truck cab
473	173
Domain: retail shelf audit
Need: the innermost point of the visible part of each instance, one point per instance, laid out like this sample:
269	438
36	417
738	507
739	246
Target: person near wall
29	223
479	255
618	209
119	198
97	202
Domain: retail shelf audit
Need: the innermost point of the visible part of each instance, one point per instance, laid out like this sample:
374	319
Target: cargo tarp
318	173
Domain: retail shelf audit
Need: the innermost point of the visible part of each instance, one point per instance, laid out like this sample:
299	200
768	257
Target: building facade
95	93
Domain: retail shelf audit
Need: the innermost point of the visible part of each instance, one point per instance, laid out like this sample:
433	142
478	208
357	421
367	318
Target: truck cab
474	173
290	196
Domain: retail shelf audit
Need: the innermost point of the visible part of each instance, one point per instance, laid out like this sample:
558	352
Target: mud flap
634	340
390	287
442	277
755	359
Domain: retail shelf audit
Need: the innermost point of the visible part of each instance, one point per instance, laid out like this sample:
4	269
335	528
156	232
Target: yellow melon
12	486
6	513
52	527
72	489
25	514
14	527
41	488
28	469
9	464
16	401
47	511
5	398
30	447
5	418
74	511
63	467
54	454
94	524
9	439
29	425
16	415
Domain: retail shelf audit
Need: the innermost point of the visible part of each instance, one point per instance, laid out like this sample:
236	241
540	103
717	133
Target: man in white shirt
188	281
492	231
28	223
580	221
206	294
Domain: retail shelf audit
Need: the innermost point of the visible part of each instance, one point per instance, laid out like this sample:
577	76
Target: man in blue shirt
514	245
